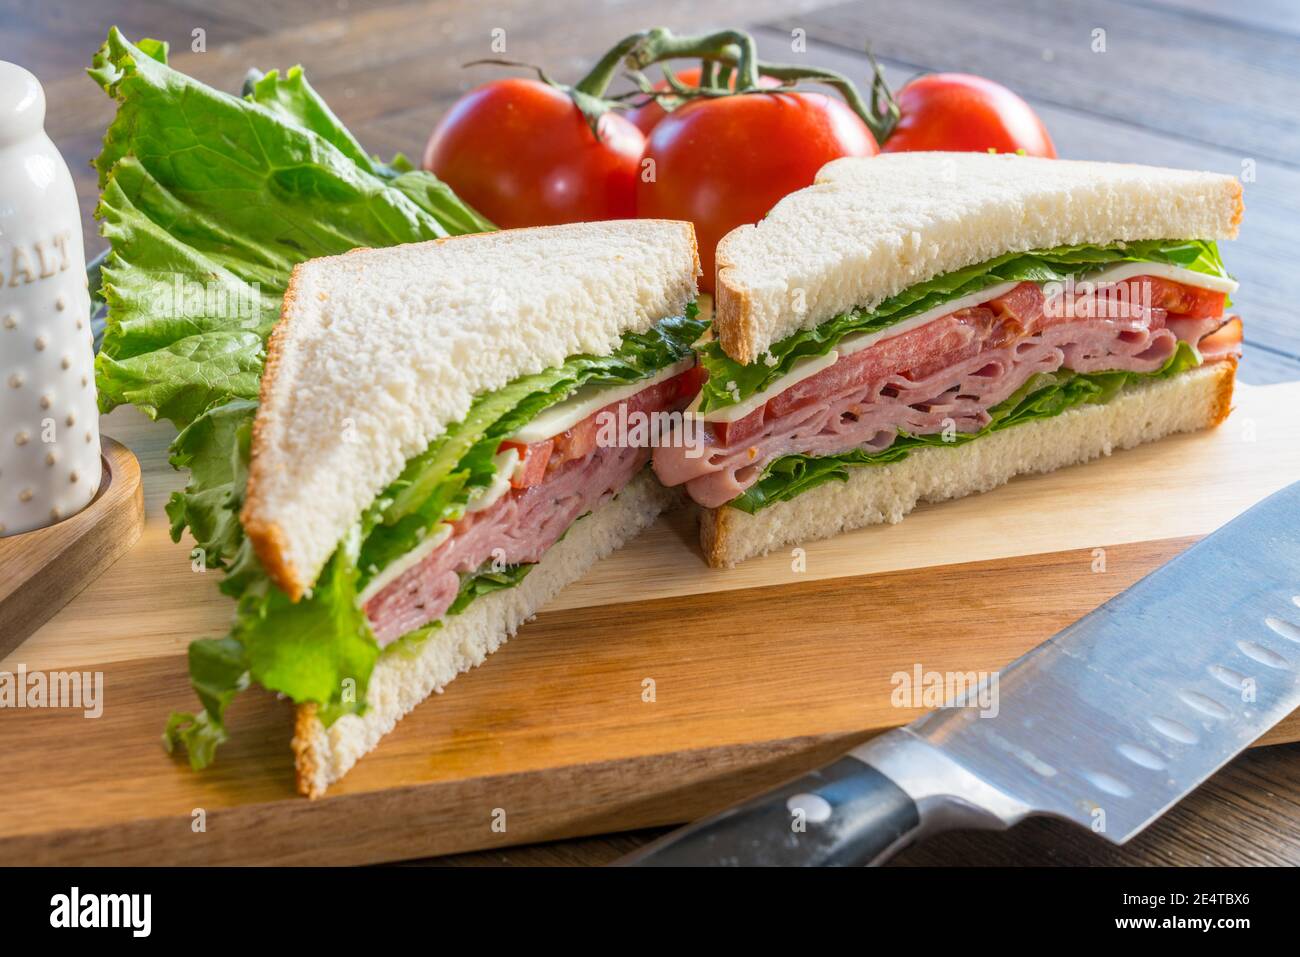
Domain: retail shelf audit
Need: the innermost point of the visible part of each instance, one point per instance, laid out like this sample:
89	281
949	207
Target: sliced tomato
730	433
575	443
689	383
534	458
1183	300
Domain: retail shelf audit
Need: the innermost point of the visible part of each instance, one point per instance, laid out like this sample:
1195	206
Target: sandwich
917	327
438	449
390	415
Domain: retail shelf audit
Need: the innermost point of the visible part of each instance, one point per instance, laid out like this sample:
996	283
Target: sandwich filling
1009	352
539	490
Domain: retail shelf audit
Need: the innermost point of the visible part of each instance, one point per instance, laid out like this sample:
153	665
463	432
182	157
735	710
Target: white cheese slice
507	465
565	415
1188	277
863	340
803	369
395	568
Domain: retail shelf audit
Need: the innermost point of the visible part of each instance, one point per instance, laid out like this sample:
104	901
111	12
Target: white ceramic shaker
49	423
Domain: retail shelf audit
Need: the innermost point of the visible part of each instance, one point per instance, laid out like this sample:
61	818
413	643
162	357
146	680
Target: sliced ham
952	370
580	475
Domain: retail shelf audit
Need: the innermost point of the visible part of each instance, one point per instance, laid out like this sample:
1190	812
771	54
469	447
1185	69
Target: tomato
721	163
957	111
646	118
729	433
575	443
522	154
689	383
1183	300
534	458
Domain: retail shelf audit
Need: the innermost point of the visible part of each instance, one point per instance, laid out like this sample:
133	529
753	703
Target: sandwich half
435	454
917	327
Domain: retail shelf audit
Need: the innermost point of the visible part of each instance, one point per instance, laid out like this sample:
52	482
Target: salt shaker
49	424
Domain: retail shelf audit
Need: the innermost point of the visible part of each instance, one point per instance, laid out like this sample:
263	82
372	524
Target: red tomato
957	111
725	162
575	443
690	382
534	458
731	432
1183	300
522	154
647	117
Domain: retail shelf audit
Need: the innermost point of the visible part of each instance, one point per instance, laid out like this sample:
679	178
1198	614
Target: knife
1109	723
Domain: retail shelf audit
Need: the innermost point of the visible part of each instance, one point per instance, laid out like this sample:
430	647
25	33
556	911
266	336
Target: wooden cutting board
652	691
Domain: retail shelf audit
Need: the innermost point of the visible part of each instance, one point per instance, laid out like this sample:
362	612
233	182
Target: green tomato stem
720	54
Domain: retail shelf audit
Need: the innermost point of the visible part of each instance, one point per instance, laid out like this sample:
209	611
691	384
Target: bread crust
714	536
727	534
1223	396
307	770
269	542
733	306
1239	210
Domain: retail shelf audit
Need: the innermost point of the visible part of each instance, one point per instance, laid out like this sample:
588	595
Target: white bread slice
870	228
379	350
1146	411
401	681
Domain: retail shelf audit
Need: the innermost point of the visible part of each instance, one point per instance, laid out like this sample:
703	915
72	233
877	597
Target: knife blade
1107	724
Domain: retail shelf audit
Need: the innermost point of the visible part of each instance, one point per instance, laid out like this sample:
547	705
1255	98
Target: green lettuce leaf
214	447
318	649
321	649
729	382
209	200
484	582
1043	396
218	672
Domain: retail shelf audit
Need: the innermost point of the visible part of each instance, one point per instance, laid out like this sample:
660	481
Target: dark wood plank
277	15
55	37
1206	80
1268	16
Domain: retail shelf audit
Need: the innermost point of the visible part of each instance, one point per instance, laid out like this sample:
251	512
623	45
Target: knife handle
843	814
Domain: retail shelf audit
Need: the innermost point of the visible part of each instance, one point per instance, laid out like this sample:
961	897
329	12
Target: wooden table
1179	82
